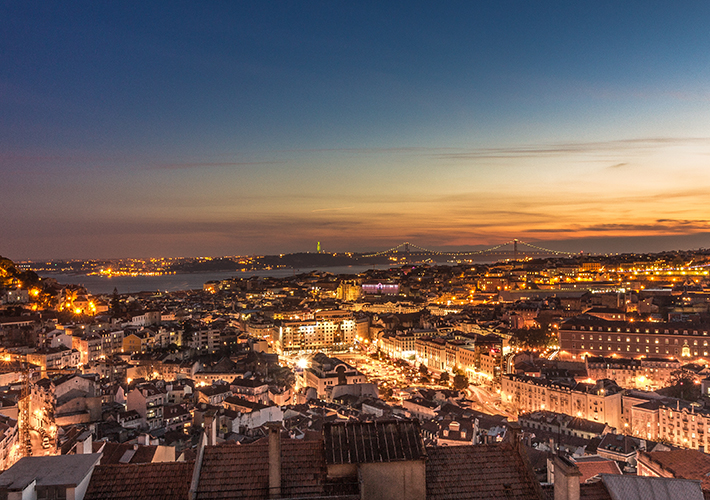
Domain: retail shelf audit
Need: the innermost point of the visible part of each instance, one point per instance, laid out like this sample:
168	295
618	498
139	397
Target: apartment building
402	345
587	335
327	330
677	423
644	373
599	402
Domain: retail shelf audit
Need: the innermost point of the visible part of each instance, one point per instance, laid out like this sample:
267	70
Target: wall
393	481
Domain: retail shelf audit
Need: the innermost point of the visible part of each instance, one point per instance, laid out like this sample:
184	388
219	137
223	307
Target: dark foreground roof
479	472
366	442
152	481
242	471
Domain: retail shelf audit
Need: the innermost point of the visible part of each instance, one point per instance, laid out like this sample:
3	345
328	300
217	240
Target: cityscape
599	363
354	251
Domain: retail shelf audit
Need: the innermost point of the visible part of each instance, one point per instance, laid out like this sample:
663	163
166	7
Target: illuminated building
586	335
348	290
600	402
329	329
379	288
644	373
325	373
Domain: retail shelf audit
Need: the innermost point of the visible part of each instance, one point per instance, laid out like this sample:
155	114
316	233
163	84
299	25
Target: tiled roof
591	468
155	481
593	491
478	472
242	471
114	453
685	464
364	442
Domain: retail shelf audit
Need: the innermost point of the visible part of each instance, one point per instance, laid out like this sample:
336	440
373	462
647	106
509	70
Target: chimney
274	459
566	479
514	434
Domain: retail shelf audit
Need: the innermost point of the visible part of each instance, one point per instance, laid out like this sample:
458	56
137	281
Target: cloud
182	166
331	209
548	150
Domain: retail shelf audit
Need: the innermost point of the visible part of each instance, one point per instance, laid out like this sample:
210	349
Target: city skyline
134	130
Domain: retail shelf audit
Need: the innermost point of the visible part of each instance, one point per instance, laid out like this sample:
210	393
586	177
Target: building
149	402
51	477
380	288
643	373
55	358
325	372
251	390
151	481
599	402
684	464
402	345
587	335
329	329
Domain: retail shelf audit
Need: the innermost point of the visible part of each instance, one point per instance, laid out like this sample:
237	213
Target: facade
587	335
329	329
402	345
9	453
206	340
90	348
644	373
149	402
348	290
112	342
458	354
251	390
55	358
379	288
600	402
326	372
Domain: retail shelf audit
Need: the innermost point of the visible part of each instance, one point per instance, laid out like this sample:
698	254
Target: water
98	285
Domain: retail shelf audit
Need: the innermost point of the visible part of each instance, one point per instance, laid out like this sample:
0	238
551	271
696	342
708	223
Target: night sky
228	128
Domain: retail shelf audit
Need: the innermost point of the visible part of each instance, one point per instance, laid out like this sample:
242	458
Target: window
51	493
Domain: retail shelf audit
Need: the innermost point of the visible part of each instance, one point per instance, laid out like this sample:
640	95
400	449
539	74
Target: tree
683	386
460	381
423	370
443	378
531	338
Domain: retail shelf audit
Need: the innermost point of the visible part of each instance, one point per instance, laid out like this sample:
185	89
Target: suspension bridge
514	249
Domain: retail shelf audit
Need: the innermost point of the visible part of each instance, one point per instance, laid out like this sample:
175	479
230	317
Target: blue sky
221	128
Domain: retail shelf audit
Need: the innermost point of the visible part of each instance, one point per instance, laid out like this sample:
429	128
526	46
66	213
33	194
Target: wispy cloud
182	166
331	209
547	150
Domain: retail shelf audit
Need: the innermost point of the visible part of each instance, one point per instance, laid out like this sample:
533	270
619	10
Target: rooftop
60	470
153	481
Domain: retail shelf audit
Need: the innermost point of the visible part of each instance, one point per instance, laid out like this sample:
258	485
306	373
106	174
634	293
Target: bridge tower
515	249
406	248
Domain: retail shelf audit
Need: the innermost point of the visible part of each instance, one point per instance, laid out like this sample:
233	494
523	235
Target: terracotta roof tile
478	472
114	452
155	481
591	468
684	464
242	471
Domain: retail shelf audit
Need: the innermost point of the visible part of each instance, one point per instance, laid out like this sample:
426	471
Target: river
99	285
